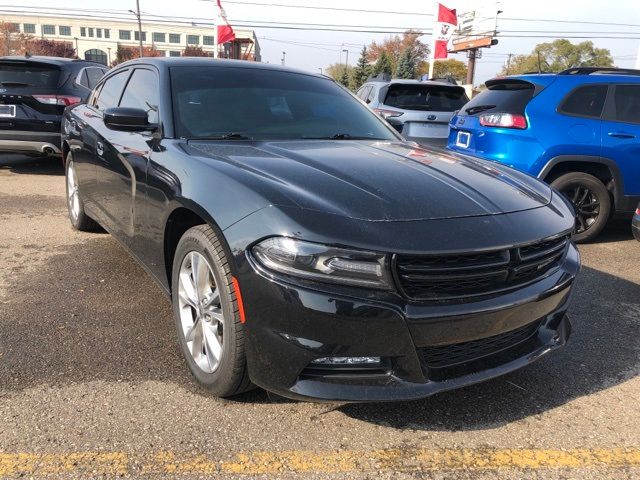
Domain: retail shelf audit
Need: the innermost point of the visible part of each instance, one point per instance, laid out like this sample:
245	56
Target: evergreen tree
344	78
383	65
406	65
361	72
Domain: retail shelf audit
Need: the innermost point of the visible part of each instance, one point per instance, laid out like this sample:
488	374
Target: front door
123	158
621	134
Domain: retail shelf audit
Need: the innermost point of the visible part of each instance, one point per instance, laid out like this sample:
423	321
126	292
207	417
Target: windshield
253	103
28	74
425	97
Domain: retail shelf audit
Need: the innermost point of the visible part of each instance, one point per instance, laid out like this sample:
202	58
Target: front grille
448	277
449	355
450	361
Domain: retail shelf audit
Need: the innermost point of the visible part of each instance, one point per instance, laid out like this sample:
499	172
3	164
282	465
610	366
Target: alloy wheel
200	311
73	196
586	204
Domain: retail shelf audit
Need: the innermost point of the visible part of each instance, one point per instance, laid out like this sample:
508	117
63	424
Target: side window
627	104
586	101
142	92
371	95
111	90
93	76
83	78
360	92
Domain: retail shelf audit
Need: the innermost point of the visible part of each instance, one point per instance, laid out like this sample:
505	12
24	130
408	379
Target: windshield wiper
14	84
478	109
342	136
225	136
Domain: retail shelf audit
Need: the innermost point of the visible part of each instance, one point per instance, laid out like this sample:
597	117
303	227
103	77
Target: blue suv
578	130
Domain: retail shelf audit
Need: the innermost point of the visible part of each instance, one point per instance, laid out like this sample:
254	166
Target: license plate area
7	111
426	129
463	139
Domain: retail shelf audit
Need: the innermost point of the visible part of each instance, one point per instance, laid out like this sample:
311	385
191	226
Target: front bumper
43	143
288	326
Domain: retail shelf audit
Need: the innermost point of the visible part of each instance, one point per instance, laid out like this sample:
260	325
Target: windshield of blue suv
424	97
261	104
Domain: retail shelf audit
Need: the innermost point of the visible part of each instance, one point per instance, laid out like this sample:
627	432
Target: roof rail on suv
591	70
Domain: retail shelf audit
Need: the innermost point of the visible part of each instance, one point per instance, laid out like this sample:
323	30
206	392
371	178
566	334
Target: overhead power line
166	19
313	7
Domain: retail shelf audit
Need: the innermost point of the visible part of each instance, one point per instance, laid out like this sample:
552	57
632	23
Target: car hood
377	181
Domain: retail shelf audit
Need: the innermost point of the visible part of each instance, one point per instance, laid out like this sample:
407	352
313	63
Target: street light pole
283	55
137	14
139	25
347	58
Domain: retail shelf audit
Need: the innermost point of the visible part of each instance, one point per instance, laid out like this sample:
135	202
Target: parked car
34	91
305	247
635	223
419	110
578	130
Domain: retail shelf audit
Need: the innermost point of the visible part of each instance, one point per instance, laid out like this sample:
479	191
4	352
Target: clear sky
323	48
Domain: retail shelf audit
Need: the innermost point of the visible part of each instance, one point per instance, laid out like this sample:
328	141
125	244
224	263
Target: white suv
419	110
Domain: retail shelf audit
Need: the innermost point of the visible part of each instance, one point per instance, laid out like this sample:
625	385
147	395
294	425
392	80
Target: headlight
323	263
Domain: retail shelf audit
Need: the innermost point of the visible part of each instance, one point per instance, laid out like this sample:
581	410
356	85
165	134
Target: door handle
621	135
99	148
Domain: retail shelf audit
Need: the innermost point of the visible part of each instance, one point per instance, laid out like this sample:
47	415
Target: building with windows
97	39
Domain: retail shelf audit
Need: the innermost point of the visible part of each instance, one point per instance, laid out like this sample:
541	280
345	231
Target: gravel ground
88	363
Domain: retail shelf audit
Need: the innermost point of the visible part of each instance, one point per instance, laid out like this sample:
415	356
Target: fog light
347	361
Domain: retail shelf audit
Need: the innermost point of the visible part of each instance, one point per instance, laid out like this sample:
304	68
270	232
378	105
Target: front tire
591	201
210	333
77	216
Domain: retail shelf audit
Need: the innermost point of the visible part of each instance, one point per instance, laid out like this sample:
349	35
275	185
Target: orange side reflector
236	289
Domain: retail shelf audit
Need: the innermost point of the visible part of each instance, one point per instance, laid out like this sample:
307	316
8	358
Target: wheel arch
66	148
182	218
604	169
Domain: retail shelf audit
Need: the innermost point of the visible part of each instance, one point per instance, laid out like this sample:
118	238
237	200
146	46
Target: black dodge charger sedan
306	247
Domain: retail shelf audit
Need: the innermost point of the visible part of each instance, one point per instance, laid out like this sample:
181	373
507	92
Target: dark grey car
34	91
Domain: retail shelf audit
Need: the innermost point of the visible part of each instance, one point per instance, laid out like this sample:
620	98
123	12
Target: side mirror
127	119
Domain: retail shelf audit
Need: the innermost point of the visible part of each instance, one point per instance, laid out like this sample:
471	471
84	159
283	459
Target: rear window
504	97
425	97
28	74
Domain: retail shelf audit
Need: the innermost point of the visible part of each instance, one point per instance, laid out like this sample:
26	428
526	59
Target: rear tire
77	216
210	334
591	201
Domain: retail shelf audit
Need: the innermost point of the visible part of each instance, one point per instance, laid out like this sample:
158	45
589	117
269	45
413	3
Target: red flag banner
224	31
443	30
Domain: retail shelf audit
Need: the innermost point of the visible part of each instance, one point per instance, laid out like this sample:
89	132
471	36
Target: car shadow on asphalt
23	164
617	230
91	314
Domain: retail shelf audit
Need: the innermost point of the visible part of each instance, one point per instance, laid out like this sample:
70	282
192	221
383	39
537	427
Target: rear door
427	108
28	96
621	134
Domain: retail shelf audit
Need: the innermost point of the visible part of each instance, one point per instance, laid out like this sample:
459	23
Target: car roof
50	60
167	62
612	75
403	81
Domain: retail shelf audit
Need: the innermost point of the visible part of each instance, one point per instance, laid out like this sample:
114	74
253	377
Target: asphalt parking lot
92	384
